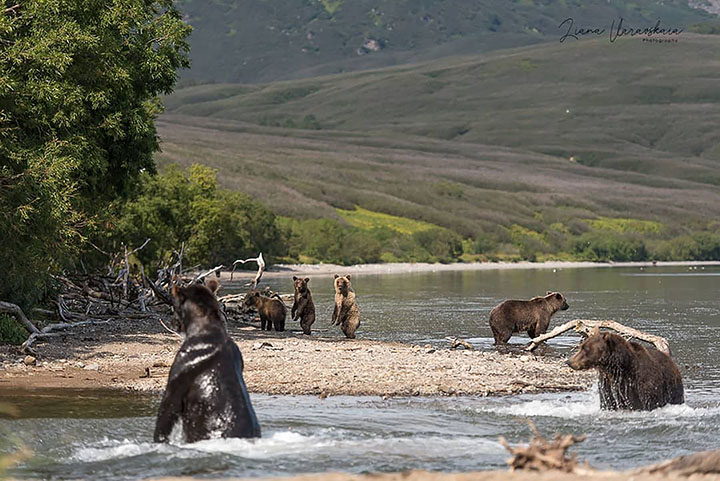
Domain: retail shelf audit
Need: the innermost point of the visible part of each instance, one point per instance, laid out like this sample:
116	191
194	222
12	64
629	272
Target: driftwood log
585	327
706	462
541	454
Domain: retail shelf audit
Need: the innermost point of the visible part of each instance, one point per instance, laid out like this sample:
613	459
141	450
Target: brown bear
272	311
205	394
303	307
346	312
532	316
631	376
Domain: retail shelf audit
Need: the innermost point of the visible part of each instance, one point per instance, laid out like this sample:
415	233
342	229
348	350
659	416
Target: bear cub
205	390
531	316
272	310
631	376
303	307
346	313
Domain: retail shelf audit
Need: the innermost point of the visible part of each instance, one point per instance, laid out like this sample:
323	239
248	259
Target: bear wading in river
346	312
531	316
303	307
205	391
272	310
631	376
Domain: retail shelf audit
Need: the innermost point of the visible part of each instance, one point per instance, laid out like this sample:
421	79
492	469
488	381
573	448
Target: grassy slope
260	41
476	143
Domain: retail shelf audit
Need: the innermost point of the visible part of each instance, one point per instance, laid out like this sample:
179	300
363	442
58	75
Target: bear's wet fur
631	376
272	311
205	391
531	316
303	307
346	312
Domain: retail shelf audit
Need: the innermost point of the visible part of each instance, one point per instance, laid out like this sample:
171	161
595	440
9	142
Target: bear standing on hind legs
631	376
205	392
346	312
303	306
532	316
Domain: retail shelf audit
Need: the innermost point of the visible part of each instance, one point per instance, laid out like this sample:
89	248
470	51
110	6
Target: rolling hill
524	145
253	41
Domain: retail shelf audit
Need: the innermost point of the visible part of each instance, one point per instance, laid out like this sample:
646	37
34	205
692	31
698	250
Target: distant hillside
259	41
542	149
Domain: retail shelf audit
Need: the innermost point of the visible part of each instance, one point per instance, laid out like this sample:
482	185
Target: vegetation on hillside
249	41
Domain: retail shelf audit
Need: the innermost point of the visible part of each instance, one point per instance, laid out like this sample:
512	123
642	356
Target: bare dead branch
49	331
261	268
541	454
12	9
17	313
586	326
205	274
456	342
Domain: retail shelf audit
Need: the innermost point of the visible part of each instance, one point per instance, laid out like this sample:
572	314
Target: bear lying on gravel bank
631	376
205	391
532	316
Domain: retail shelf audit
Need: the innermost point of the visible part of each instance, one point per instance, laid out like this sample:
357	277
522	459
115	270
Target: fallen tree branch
202	276
456	342
48	331
261	268
705	462
15	311
541	454
586	326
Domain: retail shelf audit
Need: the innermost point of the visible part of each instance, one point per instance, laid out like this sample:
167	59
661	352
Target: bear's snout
565	307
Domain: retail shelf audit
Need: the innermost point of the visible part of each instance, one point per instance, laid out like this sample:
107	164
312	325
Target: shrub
217	226
606	246
11	332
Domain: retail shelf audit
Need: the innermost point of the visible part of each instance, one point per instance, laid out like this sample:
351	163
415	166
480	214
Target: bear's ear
307	279
558	296
548	293
176	292
595	331
347	277
256	293
336	276
213	285
295	278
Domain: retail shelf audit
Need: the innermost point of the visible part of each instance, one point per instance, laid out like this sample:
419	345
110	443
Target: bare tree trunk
261	268
18	313
586	326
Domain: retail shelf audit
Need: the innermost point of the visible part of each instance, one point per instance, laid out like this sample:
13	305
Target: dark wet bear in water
303	306
531	316
346	312
205	391
272	311
631	376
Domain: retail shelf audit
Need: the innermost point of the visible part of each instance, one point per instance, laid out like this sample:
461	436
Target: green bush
442	244
606	246
216	226
11	332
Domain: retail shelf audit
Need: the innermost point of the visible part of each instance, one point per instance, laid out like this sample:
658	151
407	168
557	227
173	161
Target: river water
108	435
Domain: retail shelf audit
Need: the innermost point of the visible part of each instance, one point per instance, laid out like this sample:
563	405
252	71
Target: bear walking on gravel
346	312
631	376
303	306
532	316
205	394
272	311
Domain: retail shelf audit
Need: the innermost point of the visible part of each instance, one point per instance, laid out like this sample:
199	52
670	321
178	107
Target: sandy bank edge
282	270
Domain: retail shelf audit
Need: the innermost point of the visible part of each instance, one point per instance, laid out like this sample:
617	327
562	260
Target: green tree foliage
215	225
606	246
79	82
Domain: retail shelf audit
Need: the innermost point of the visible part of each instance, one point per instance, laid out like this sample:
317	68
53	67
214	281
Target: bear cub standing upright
303	306
631	376
346	312
532	316
205	392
